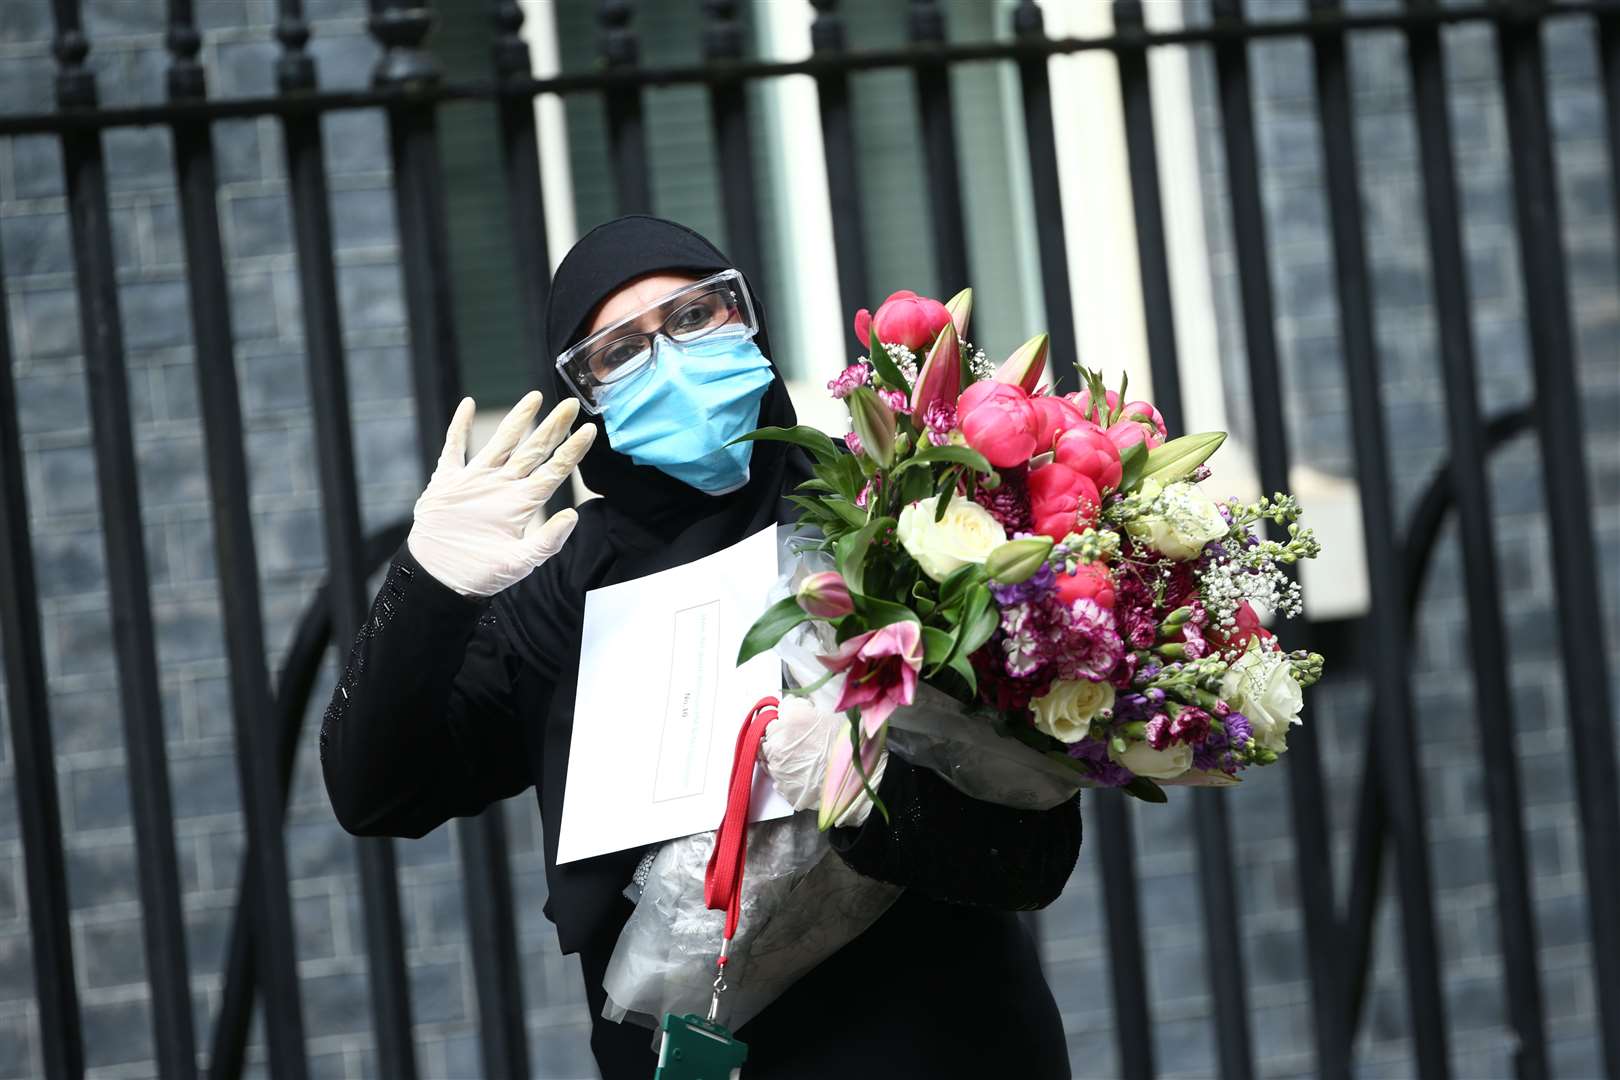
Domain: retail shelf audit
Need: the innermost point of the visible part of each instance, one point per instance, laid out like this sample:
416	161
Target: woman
460	688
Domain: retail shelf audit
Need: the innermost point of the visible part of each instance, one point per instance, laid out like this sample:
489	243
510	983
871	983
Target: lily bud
1026	366
960	306
1172	651
941	376
843	783
874	424
825	595
1017	560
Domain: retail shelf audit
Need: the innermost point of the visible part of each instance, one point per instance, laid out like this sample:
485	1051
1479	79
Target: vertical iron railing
1587	699
839	155
1046	190
207	285
733	147
419	203
627	136
130	600
407	87
936	114
39	814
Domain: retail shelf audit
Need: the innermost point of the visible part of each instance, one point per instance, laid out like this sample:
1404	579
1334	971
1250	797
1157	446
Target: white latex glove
795	747
468	531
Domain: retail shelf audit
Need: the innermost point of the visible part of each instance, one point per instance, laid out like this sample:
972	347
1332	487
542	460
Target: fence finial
400	26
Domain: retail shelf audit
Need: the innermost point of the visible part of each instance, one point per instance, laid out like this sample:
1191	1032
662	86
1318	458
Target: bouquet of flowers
1047	562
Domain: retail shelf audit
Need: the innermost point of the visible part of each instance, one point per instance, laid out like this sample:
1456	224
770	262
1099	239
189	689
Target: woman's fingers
543	441
511	429
547	478
550	537
454	453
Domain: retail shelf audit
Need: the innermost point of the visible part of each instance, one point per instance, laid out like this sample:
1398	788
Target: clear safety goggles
612	357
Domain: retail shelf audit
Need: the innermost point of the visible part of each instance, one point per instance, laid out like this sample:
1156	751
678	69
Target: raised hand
470	520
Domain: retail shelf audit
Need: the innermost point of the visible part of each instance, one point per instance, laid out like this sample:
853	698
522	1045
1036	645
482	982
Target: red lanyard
722	882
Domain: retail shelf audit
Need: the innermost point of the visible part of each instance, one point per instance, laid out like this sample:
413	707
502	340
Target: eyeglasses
610	358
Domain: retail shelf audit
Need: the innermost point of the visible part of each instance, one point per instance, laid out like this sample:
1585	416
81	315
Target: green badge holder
697	1049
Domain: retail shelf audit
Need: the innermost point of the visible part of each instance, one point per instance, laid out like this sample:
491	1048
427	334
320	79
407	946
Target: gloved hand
795	747
468	531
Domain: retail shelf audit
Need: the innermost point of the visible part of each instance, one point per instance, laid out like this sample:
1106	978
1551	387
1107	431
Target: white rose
1190	520
1143	760
1065	711
1261	686
966	534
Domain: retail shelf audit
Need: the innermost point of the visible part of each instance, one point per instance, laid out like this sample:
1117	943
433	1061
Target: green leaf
877	613
923	602
1133	459
815	483
768	629
960	664
1146	790
885	367
944	492
1178	458
937	646
959	455
852	552
957	583
848	511
811	439
979	620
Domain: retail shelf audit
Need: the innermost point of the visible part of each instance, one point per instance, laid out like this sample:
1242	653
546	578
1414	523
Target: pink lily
941	376
880	674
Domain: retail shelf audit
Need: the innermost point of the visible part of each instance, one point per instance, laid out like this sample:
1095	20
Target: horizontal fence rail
409	90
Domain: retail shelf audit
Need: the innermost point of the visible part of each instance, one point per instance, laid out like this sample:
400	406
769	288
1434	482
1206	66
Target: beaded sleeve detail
389	600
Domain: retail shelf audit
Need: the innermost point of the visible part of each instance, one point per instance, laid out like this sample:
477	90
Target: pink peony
903	319
1062	500
999	422
880	671
1090	581
1128	431
1057	416
1087	450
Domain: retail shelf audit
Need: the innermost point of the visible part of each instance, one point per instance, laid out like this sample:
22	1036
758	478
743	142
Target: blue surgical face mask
679	415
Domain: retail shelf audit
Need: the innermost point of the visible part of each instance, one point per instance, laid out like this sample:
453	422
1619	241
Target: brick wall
128	52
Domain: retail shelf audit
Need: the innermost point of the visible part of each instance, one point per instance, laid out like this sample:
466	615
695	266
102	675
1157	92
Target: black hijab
646	521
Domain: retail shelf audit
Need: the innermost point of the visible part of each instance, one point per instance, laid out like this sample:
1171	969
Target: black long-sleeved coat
444	709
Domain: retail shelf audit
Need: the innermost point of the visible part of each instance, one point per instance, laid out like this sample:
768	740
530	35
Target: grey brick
50	318
19	1058
239	150
188	630
116	18
36	166
36	244
253	306
101	873
336	1004
344	60
100	796
139	159
437	993
204	784
379	373
370	296
245	68
155	314
117	1033
363	218
273	383
355	141
10	889
26	22
26	85
259	225
111	953
173	471
16	966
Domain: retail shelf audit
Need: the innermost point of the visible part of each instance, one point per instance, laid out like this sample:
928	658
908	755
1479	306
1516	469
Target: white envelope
661	699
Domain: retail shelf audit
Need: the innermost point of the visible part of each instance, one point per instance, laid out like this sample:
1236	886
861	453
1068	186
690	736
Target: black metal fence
260	964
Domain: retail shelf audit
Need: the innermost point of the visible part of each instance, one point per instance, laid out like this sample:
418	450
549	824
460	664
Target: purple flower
896	400
872	488
1100	765
856	375
1158	731
1217	751
853	441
